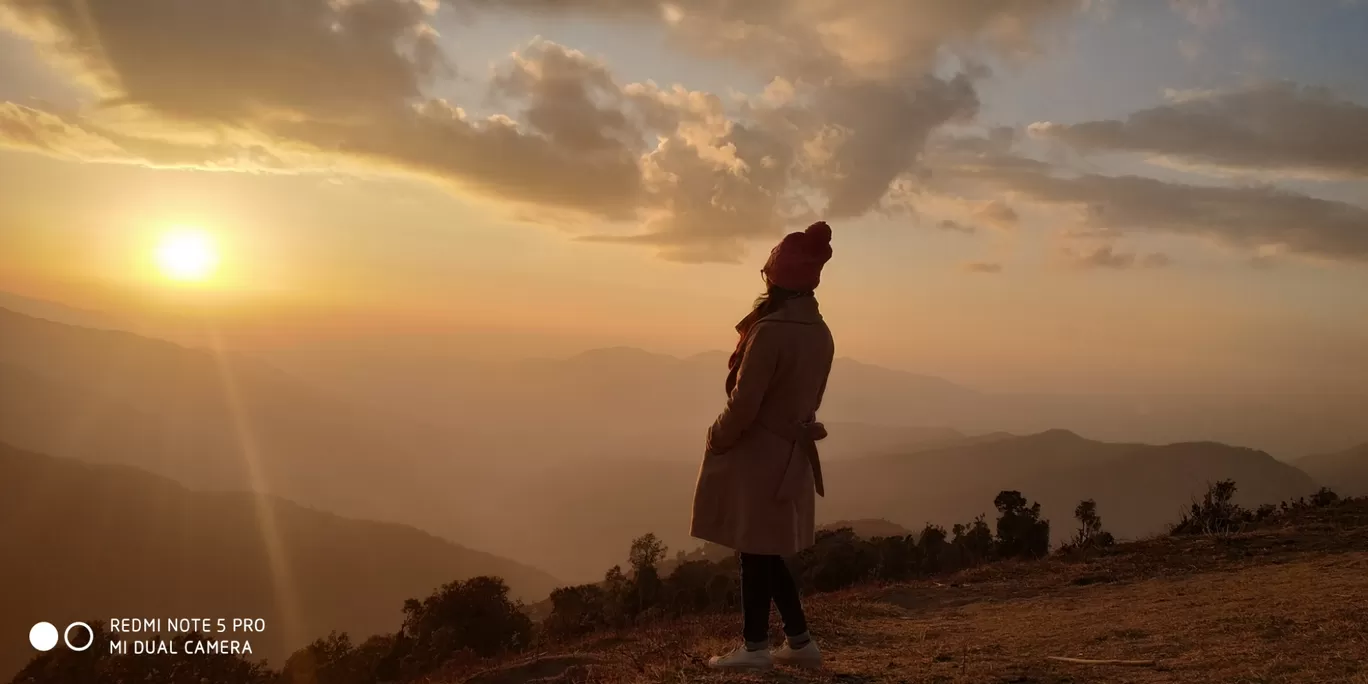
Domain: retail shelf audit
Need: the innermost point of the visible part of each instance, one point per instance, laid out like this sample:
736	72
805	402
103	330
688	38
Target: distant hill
870	528
463	471
560	463
225	422
88	542
597	396
1346	471
1138	488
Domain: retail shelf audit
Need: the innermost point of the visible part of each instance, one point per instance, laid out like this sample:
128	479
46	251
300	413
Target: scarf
743	330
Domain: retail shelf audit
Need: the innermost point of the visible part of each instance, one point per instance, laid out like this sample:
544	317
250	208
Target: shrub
1324	497
1215	513
577	610
839	559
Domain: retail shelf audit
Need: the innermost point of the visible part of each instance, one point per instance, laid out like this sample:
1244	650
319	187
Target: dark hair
774	297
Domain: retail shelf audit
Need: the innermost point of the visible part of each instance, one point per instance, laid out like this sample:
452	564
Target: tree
1090	533
932	545
1020	531
647	552
474	615
973	542
839	559
577	610
645	556
333	660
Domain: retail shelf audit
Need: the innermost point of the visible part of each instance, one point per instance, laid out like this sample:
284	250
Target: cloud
983	267
1248	217
1278	126
1106	257
36	130
220	60
856	94
824	40
1204	14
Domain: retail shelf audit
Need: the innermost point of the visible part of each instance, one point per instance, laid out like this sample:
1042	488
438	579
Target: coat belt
802	438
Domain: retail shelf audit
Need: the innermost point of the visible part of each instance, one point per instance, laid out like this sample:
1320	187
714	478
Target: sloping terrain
1275	605
1138	488
1344	471
91	542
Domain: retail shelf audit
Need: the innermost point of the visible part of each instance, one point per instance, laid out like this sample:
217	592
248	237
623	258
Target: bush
839	559
1020	531
1324	497
1215	513
577	610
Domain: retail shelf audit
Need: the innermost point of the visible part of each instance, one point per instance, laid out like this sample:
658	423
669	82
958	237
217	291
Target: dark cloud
1248	217
1277	126
221	60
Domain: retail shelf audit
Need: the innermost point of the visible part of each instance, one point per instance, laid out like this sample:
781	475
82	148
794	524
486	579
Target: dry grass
1281	605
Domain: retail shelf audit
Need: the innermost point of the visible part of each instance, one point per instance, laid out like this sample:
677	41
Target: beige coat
755	490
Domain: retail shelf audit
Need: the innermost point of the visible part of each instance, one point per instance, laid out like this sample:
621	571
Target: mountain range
560	463
1344	471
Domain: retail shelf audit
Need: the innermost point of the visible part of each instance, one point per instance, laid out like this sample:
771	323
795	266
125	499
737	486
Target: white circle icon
90	638
43	636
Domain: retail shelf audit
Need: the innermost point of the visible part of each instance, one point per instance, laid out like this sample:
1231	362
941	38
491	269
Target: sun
187	255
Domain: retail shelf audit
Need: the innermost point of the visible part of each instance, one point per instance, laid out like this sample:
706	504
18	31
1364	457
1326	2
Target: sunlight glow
187	255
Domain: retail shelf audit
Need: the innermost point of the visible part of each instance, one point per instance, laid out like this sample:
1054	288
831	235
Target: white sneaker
809	656
742	659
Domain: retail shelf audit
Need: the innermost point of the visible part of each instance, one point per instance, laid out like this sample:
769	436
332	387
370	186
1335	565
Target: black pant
766	578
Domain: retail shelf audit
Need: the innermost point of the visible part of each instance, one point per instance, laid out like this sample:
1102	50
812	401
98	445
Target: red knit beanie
796	262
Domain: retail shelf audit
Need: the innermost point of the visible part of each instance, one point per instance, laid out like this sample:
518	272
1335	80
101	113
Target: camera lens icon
43	636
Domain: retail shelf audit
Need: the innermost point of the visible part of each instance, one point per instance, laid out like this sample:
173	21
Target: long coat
755	491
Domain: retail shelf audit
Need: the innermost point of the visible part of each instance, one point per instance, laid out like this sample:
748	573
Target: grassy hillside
95	541
1279	604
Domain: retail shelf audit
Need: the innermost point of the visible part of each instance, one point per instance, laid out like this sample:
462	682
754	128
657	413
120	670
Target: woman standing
756	487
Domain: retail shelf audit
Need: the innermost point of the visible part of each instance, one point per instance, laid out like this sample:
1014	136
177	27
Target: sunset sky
1031	195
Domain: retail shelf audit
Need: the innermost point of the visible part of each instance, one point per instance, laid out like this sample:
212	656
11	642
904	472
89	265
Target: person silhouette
760	473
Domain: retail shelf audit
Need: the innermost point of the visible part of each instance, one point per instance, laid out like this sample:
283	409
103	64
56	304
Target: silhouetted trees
1020	531
475	619
1090	534
334	660
467	618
